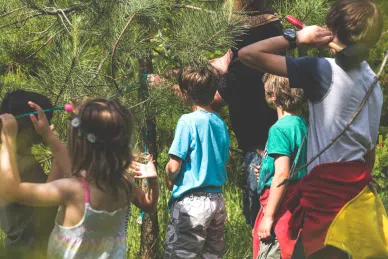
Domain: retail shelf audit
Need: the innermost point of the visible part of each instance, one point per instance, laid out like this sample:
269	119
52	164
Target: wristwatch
290	35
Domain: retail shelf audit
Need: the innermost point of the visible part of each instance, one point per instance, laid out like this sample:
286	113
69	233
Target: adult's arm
221	64
13	190
261	55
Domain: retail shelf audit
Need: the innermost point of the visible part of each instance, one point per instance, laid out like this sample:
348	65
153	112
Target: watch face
290	33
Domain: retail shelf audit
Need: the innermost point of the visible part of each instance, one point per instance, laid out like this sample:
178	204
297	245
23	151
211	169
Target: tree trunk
150	226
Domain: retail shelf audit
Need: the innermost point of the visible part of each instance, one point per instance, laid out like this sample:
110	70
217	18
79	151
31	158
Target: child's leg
186	231
269	249
214	243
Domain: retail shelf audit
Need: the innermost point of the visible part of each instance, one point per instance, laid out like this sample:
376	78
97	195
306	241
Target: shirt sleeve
182	139
312	74
278	143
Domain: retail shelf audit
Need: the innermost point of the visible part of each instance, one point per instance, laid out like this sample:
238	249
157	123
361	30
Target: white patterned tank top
100	234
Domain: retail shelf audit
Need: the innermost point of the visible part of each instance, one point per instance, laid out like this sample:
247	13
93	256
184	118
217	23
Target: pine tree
71	49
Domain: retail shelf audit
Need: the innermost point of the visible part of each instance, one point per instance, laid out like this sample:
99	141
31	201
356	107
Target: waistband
200	194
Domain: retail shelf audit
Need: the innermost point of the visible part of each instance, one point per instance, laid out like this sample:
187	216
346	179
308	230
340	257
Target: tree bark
150	225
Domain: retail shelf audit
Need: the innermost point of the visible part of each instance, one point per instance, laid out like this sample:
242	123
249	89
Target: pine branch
210	38
13	11
369	92
98	70
193	7
114	52
21	21
44	44
45	11
146	100
66	80
54	11
44	33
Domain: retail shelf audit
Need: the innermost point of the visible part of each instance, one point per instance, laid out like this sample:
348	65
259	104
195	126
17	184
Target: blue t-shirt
202	142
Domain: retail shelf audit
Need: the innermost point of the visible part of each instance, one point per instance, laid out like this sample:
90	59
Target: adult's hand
222	63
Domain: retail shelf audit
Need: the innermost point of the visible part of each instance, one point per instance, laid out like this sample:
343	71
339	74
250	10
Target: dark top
250	115
27	225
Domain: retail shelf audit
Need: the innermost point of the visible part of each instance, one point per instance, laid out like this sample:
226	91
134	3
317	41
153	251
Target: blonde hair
290	99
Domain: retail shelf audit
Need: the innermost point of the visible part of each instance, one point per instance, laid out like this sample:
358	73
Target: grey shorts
269	250
196	227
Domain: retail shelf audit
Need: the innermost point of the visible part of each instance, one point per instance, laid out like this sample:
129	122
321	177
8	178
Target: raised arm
261	55
48	194
221	64
58	149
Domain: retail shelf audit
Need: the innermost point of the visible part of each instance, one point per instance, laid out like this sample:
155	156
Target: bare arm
261	55
48	194
58	149
55	172
221	64
172	169
146	201
282	171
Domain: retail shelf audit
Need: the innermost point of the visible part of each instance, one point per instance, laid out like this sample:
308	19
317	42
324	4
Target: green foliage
380	171
70	49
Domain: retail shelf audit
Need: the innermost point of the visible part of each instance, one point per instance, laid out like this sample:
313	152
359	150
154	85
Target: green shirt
285	138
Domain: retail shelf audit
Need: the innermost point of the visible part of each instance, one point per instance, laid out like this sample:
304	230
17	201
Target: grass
237	234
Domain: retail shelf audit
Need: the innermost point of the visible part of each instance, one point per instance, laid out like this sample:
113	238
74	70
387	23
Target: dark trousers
251	204
329	252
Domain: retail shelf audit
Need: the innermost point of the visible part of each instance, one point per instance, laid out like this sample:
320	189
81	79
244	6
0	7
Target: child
286	148
198	156
27	228
340	213
94	201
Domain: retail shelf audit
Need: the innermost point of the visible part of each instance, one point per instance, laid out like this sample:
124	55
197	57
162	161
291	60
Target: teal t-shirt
284	138
202	142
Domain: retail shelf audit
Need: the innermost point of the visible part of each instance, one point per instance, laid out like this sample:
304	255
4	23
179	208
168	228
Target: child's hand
9	127
314	36
41	124
265	227
144	171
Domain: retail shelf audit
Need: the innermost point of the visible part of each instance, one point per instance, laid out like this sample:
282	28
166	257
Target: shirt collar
352	55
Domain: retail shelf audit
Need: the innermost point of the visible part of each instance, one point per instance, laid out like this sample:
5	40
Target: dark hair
16	103
355	21
200	83
290	99
106	159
